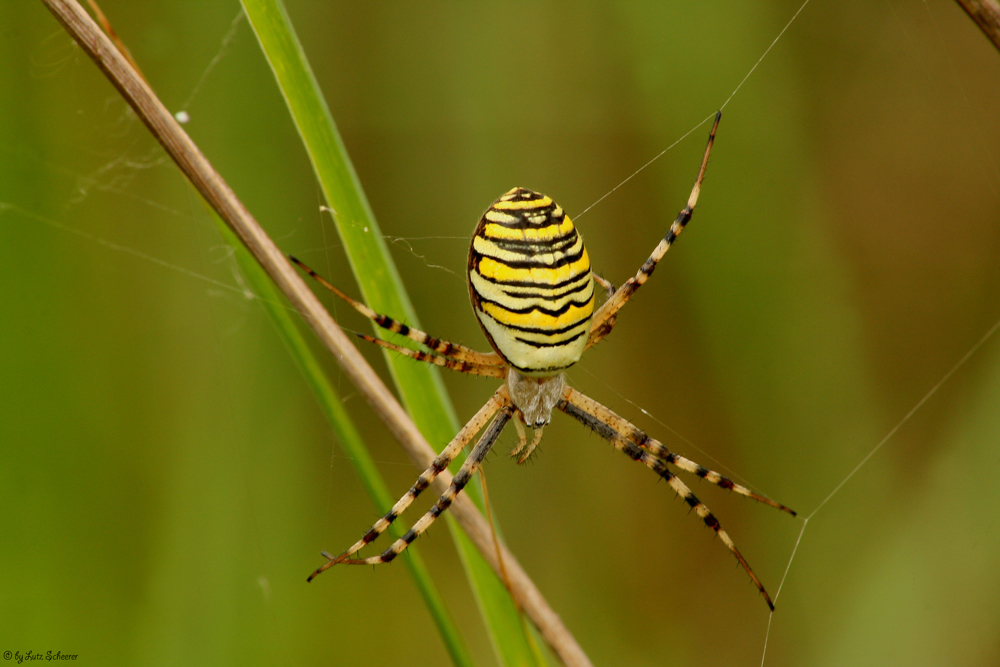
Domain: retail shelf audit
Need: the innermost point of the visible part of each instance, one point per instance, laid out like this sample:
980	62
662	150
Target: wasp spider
533	291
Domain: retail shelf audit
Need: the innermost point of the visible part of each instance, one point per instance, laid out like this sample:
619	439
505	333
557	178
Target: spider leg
604	318
443	460
609	287
468	367
446	348
465	473
636	453
660	451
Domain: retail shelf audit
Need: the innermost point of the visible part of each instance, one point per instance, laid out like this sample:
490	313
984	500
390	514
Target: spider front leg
443	460
660	451
458	483
579	407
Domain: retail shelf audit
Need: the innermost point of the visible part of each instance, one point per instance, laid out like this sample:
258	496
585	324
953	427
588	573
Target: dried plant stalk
221	198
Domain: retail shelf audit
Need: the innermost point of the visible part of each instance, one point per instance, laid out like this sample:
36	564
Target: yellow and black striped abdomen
530	283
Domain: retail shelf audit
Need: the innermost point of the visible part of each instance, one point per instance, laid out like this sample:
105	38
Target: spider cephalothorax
533	293
532	290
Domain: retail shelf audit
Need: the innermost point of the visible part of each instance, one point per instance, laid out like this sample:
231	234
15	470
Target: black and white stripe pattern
458	483
426	478
604	319
583	410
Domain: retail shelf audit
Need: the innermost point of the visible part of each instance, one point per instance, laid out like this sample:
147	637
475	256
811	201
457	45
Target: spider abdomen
530	283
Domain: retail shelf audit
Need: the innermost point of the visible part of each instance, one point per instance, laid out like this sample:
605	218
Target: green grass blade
420	386
346	433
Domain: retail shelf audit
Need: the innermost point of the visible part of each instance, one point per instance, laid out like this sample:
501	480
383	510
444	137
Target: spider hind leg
442	347
604	318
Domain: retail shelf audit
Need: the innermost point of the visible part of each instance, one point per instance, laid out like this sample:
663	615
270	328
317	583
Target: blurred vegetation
166	479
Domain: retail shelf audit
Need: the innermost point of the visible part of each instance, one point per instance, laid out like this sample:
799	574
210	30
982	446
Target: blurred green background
166	479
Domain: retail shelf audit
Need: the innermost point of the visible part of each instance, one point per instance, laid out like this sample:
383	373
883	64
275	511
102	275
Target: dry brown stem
986	14
221	198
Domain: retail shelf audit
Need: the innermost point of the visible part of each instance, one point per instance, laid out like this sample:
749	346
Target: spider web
932	391
807	517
